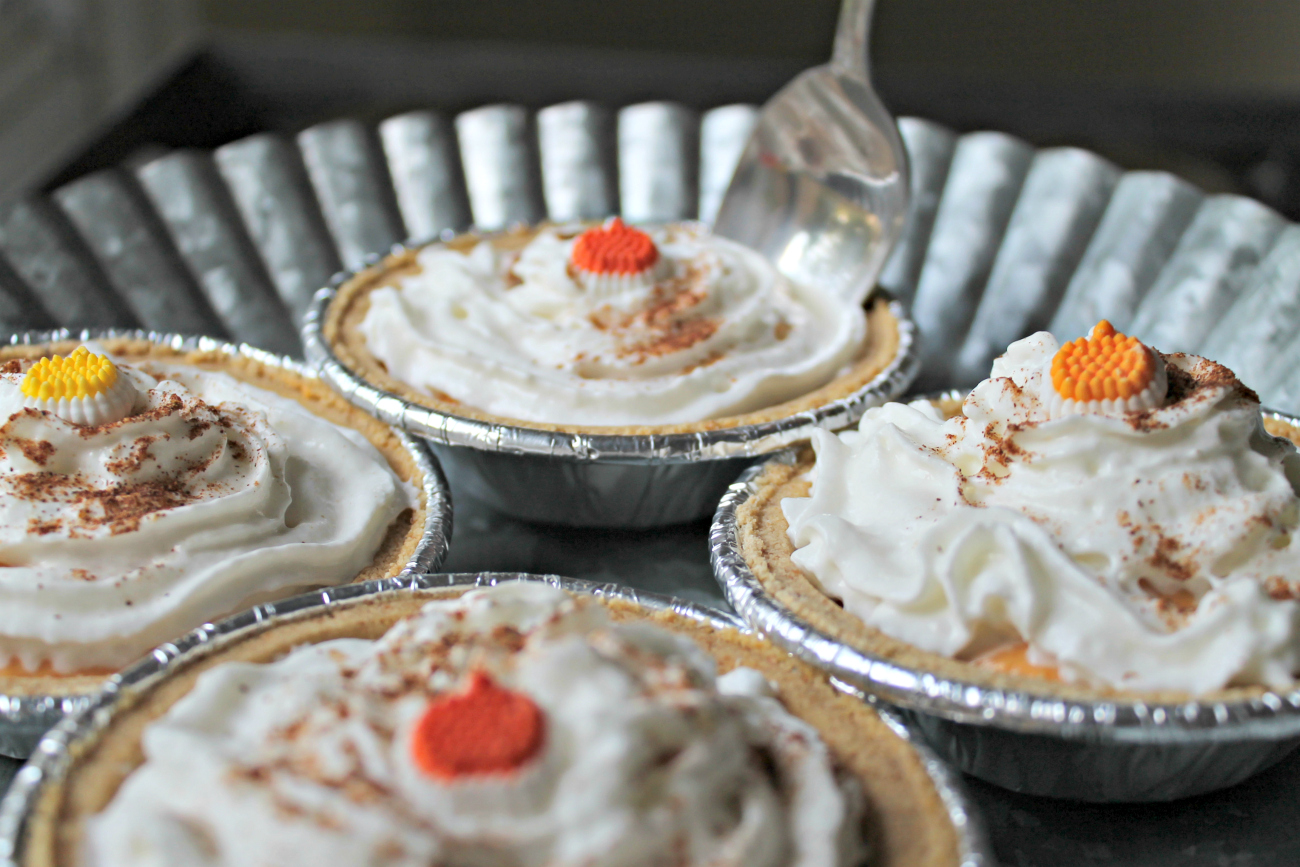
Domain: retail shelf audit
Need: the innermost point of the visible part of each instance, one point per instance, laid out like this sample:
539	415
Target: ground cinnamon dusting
1167	547
173	404
508	637
37	527
38	452
1001	451
1281	589
135	459
122	507
1172	608
118	507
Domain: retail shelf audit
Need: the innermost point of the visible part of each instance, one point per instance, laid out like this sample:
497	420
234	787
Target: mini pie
906	823
1106	374
605	261
125	513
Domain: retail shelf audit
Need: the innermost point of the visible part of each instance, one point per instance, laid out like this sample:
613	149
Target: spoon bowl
821	188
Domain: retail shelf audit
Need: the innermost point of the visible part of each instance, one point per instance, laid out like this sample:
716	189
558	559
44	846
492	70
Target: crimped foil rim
1270	716
454	430
25	717
50	761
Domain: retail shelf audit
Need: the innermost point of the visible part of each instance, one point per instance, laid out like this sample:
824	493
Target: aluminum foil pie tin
1101	750
595	480
51	759
24	718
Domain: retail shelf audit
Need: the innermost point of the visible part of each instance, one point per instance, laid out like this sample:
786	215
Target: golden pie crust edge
907	822
350	305
395	551
766	547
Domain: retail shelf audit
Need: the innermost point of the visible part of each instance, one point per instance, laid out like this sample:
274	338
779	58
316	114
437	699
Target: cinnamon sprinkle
1173	608
38	452
119	507
1281	589
37	527
1167	547
136	459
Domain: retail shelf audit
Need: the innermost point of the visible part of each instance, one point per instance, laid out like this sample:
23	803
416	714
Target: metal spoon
821	188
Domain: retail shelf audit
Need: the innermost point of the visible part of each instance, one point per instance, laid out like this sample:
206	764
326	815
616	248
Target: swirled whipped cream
1143	549
206	494
638	756
681	326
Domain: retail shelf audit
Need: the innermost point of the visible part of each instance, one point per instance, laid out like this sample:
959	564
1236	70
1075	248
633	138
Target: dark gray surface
1253	824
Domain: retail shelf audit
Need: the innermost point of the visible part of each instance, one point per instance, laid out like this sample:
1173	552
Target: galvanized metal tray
1001	238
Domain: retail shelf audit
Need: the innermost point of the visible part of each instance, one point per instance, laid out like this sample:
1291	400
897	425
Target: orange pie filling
1014	659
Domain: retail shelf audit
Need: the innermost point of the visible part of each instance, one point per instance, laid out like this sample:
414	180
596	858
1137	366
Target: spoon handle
851	35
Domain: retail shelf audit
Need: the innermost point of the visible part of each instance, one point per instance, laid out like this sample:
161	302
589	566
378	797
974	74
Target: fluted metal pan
58	749
24	718
1107	749
1001	239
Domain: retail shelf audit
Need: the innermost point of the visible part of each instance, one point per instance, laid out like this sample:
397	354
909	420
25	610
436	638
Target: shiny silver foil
51	759
1102	750
24	718
596	480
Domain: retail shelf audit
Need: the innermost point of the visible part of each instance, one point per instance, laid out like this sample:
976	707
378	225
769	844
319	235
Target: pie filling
609	326
139	500
1097	512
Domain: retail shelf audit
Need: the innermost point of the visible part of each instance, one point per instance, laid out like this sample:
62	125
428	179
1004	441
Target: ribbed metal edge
23	718
1269	716
51	759
743	441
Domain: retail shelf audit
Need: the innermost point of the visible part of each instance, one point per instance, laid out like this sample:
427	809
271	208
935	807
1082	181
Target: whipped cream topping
647	758
213	495
707	329
1142	550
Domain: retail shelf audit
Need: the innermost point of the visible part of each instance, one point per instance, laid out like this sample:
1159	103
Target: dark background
1209	89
